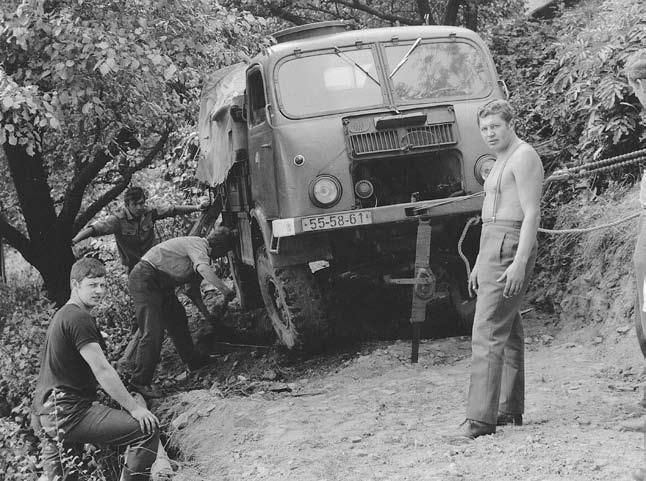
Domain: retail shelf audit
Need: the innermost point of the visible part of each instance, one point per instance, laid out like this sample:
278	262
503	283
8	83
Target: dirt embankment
366	413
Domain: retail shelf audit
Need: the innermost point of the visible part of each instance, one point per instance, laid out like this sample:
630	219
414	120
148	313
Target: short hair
497	106
134	194
220	239
635	68
87	267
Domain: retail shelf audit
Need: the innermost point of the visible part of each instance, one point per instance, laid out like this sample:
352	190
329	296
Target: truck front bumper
379	215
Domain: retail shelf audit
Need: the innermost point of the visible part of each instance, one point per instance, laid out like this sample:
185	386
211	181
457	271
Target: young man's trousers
497	362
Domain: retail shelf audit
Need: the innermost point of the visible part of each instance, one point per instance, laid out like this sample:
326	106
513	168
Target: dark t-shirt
62	366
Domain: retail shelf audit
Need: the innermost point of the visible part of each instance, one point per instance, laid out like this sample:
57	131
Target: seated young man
65	407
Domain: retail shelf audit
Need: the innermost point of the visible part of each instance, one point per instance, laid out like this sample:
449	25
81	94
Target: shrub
567	82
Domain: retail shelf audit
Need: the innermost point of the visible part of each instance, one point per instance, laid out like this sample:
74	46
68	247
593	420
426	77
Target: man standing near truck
133	226
510	220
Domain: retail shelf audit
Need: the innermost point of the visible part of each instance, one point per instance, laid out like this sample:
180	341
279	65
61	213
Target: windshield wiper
405	57
343	56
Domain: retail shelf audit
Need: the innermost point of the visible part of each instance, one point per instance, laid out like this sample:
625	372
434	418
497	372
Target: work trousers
157	309
639	262
98	425
498	356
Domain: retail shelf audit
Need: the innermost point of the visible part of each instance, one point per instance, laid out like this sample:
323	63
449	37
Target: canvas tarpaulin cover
215	123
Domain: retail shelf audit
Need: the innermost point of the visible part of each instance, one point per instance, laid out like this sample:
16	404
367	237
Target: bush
24	316
18	459
567	83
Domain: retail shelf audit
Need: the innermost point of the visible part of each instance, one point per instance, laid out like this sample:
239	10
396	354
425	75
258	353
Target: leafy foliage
18	460
567	82
91	91
478	15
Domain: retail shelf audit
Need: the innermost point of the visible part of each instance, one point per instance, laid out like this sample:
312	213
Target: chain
566	174
610	160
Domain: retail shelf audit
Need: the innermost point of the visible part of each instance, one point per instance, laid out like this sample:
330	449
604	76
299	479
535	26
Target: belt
516	224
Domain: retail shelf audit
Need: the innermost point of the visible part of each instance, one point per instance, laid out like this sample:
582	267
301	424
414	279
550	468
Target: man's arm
211	277
111	384
528	174
82	235
110	225
195	295
173	210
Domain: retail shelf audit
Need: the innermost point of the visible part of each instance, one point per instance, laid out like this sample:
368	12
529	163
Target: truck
320	149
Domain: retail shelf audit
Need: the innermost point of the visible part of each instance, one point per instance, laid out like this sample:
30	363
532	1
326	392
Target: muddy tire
294	304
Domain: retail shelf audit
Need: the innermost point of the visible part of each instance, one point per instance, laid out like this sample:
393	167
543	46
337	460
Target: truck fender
290	251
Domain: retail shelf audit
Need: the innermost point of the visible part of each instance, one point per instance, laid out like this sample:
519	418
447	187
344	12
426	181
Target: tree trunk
472	15
451	12
49	249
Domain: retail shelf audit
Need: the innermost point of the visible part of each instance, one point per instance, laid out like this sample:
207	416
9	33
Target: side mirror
238	113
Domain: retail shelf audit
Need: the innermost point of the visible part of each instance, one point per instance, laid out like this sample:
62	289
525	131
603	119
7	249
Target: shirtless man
510	217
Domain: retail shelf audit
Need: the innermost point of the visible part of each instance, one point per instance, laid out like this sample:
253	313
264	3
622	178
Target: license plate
334	221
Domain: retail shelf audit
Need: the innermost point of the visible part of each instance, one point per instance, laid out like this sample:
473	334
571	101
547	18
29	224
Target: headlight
483	166
325	191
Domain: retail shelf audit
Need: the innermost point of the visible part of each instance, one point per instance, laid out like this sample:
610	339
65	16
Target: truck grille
436	135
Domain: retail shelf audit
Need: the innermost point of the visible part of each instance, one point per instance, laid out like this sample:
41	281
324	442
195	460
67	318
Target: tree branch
355	4
120	186
15	239
74	194
281	12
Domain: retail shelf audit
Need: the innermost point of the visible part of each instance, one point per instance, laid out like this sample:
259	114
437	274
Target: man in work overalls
510	217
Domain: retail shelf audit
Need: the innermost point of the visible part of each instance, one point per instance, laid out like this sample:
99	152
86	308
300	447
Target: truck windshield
438	70
329	82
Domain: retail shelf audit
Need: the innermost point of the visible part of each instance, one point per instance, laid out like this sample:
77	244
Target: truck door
262	168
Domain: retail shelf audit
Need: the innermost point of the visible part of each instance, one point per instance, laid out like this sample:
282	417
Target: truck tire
294	304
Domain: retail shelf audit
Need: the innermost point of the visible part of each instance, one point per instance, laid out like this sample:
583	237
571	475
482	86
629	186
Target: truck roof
372	35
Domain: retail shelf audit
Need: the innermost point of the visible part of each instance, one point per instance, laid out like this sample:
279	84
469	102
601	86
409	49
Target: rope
589	229
470	222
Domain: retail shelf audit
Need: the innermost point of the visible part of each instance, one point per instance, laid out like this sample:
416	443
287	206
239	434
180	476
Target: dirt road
376	417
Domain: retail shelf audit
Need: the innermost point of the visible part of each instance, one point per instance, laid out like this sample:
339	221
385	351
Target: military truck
320	149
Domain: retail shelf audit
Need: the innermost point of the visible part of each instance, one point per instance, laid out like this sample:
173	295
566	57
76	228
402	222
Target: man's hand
229	295
147	420
514	276
473	281
204	205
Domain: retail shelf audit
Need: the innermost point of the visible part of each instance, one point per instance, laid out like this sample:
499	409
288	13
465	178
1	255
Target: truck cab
326	145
